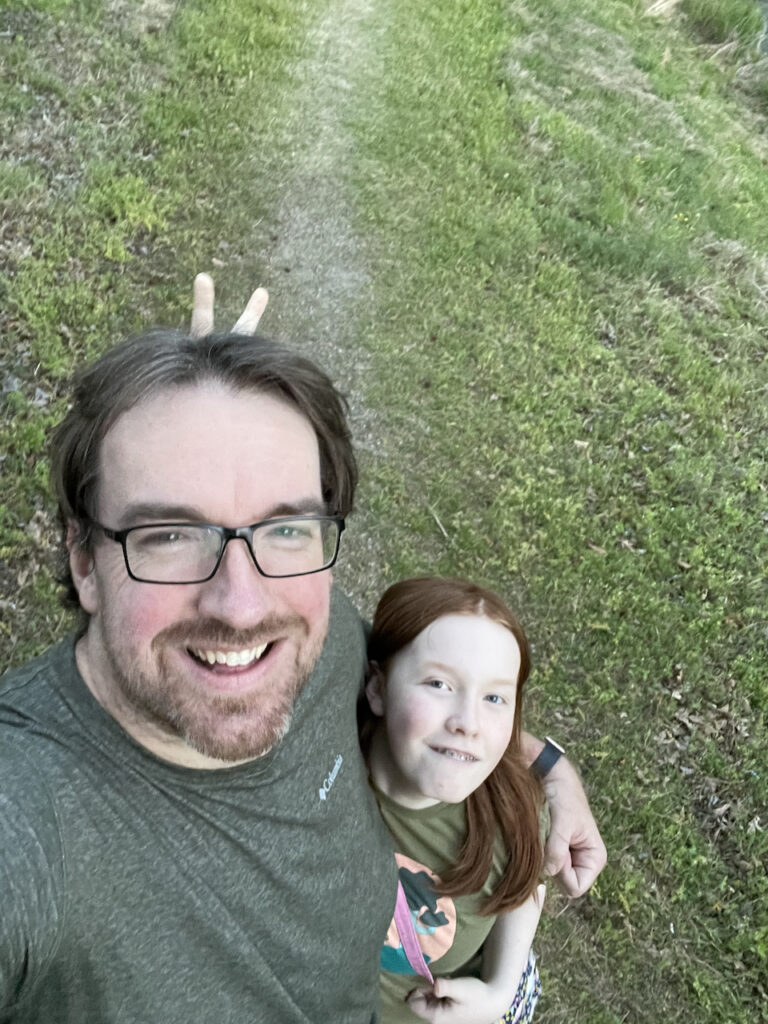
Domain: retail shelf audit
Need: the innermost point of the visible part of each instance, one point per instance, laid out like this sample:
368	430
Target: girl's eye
494	698
436	684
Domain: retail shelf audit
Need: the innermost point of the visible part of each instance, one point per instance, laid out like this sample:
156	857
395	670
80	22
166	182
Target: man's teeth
230	658
456	754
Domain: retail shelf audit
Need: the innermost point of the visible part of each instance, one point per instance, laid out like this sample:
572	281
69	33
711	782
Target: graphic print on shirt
433	916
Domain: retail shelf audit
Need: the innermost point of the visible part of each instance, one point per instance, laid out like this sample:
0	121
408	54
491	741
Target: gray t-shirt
133	891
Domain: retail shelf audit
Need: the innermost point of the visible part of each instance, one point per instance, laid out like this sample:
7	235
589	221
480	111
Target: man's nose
237	594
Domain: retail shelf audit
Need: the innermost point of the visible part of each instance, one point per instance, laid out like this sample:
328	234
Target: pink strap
407	933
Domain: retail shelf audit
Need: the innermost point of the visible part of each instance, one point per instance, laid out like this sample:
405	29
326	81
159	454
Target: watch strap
547	759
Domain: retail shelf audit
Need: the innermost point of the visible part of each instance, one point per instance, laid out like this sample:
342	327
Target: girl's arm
506	950
505	957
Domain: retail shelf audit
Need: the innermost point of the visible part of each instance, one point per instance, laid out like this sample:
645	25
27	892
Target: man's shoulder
28	814
341	663
32	863
36	702
55	664
345	627
342	604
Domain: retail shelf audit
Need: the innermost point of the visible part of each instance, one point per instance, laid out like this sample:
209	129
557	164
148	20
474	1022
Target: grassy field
563	207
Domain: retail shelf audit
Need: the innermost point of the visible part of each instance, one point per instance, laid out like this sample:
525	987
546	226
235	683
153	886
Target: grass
723	21
572	350
564	213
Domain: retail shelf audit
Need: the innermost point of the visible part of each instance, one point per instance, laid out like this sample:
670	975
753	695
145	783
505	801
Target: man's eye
290	533
164	539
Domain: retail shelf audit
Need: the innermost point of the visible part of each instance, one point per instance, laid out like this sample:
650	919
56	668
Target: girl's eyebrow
438	666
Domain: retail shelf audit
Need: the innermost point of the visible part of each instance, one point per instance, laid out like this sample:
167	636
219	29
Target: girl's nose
464	719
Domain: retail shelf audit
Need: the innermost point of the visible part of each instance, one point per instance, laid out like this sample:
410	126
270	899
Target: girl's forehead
462	622
463	634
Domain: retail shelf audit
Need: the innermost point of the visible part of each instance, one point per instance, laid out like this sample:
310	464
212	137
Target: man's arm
575	853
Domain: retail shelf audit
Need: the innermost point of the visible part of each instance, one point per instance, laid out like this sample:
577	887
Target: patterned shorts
526	997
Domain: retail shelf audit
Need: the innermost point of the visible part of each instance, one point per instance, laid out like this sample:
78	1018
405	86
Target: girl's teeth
456	755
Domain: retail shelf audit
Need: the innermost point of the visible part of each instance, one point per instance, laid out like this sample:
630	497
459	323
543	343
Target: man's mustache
212	634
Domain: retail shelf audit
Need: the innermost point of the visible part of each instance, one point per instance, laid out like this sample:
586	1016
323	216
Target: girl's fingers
422	1003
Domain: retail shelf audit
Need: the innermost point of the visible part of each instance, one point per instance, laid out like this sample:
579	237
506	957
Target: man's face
203	454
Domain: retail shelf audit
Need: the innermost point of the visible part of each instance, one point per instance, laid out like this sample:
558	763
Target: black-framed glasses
192	552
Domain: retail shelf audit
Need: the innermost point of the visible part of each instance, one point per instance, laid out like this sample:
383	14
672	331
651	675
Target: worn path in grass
316	264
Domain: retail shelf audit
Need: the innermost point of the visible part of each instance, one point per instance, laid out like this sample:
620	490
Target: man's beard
227	727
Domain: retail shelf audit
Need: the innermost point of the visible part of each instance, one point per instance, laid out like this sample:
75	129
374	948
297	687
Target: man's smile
234	666
230	658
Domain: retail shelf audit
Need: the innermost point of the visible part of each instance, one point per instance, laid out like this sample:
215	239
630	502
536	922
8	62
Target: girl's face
448	703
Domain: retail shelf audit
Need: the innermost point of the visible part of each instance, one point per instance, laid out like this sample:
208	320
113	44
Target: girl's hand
202	309
505	959
459	1001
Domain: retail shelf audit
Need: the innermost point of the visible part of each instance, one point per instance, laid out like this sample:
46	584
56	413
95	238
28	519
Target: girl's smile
448	702
460	755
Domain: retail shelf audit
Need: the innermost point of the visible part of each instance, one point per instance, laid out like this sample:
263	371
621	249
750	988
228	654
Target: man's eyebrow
307	507
162	512
150	511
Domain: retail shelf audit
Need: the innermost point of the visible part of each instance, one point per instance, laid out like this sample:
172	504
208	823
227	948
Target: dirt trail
317	270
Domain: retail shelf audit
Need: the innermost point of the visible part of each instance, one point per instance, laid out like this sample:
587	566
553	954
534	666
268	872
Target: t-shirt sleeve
31	877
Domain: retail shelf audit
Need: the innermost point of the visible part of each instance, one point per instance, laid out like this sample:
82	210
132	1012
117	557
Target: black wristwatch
547	759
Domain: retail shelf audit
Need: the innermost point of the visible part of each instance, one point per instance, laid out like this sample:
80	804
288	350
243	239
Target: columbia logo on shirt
330	778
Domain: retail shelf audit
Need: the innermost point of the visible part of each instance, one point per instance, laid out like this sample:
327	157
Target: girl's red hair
509	800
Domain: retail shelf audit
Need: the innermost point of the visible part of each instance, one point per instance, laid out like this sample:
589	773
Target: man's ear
376	688
82	568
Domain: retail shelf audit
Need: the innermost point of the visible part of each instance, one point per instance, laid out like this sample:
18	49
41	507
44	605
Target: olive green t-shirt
451	930
135	891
